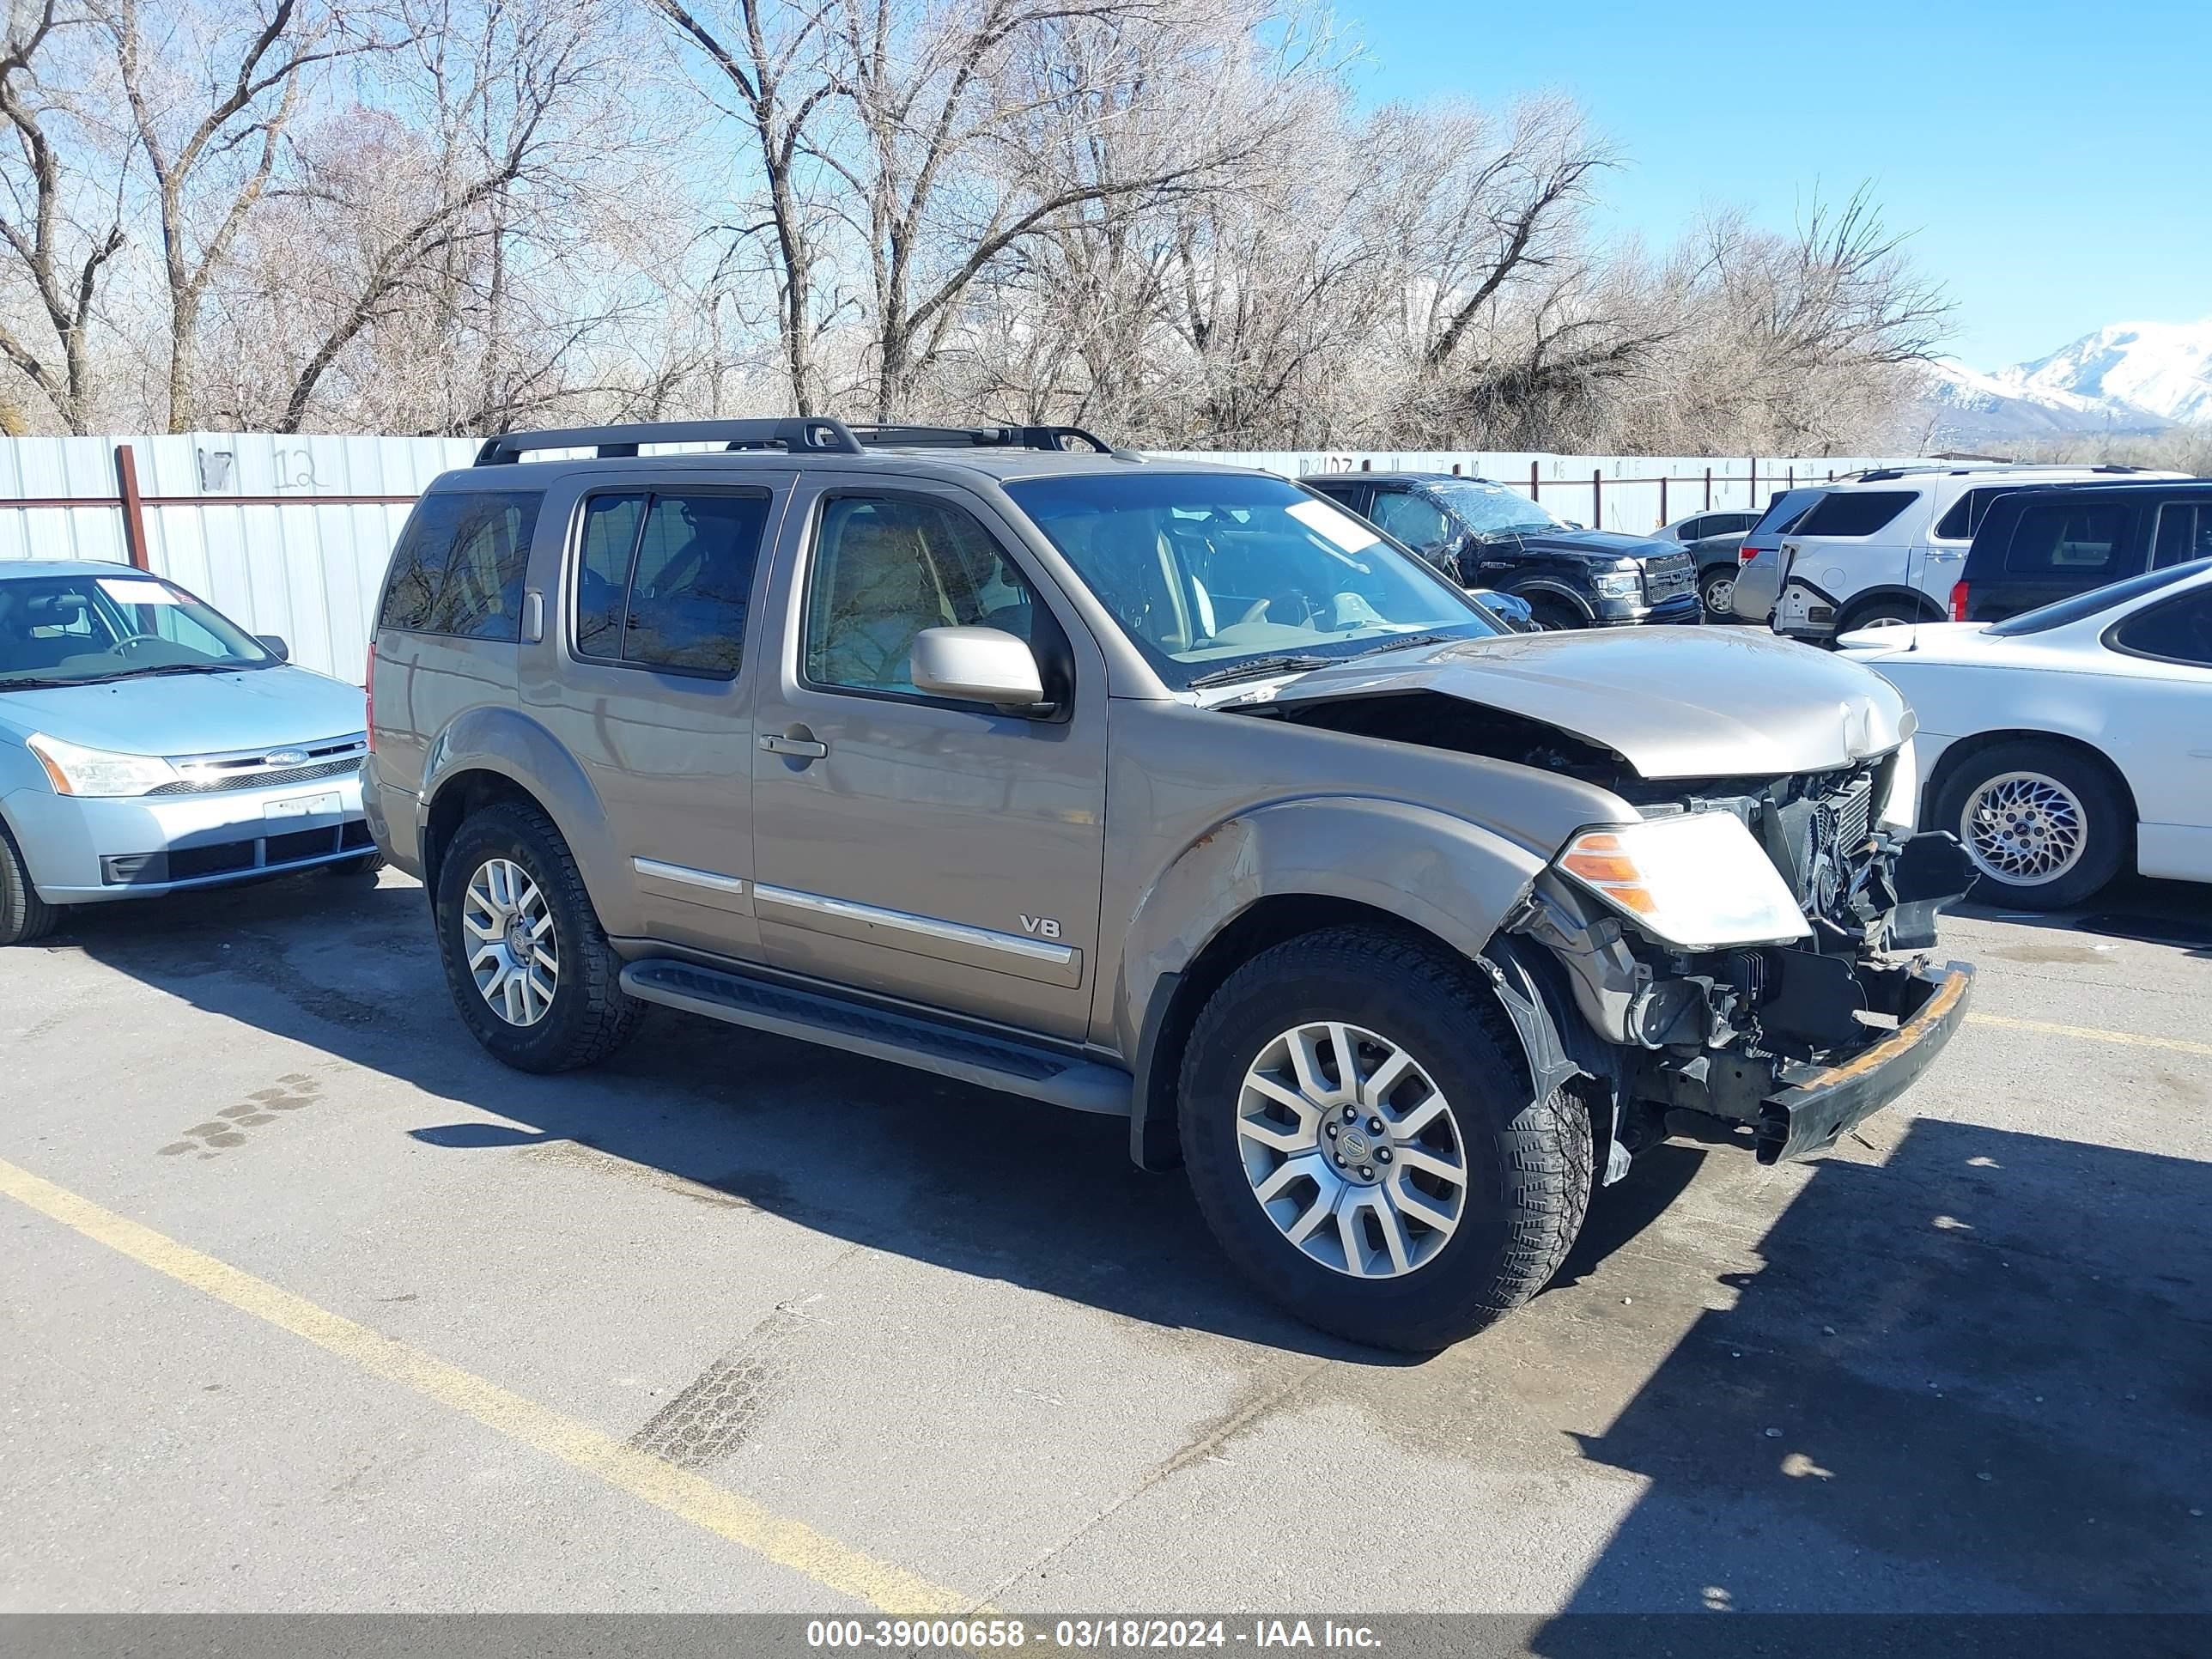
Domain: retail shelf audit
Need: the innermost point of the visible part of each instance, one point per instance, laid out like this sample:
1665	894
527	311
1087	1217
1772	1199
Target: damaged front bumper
1795	1107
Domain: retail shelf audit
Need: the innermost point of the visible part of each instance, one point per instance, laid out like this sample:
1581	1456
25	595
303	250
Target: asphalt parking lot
307	1304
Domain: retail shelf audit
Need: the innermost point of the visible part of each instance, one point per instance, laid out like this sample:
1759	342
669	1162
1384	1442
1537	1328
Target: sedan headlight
1619	584
76	770
1698	882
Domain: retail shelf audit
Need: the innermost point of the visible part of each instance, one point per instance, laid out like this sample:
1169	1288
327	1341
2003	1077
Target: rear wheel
1358	1127
2046	827
1716	587
1884	613
529	965
24	916
366	865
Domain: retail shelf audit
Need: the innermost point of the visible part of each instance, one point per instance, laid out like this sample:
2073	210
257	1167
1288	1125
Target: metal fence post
1709	490
1533	481
1754	481
1597	499
134	510
1662	498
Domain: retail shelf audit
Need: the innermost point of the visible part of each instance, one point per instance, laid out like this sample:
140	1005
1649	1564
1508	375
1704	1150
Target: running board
947	1049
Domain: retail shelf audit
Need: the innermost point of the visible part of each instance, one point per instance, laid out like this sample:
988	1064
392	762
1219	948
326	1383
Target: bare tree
772	58
63	262
211	142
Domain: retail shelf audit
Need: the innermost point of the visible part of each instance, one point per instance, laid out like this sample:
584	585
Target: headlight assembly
74	769
1618	585
1698	882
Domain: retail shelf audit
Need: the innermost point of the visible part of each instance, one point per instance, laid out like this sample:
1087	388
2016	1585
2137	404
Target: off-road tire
2104	812
591	1015
1529	1161
24	916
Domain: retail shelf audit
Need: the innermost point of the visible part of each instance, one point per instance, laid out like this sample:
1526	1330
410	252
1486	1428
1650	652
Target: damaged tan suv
1148	789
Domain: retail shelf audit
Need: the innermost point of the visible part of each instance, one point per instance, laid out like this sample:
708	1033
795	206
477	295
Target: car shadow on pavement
983	1183
2170	913
1977	1378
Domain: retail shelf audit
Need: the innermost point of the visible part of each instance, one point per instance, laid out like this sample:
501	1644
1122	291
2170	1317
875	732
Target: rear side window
459	566
2059	538
1856	512
1414	519
2180	630
1784	513
1965	518
664	579
2184	532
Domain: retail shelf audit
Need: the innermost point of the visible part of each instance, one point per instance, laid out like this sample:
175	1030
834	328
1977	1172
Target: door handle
796	748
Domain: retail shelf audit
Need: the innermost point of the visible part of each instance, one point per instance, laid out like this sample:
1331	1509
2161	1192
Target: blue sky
2054	162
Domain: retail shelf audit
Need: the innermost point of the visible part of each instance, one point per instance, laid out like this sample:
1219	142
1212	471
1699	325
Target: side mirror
275	646
977	664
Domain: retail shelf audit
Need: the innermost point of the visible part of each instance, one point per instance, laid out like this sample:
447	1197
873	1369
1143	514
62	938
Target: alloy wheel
1353	1150
514	954
2024	828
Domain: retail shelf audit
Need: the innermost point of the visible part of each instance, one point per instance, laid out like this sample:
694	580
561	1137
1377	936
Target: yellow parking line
713	1509
2092	1033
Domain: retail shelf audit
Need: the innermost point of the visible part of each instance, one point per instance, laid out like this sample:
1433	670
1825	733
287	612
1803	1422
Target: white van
1884	547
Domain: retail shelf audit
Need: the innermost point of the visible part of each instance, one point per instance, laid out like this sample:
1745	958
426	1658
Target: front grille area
272	854
262	778
1667	578
207	774
1819	835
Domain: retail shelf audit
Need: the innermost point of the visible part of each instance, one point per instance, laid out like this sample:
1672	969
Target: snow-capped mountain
2165	368
2129	378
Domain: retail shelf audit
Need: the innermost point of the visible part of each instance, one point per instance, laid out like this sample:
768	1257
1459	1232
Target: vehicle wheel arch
1847	616
1558	591
1956	756
490	753
1271	920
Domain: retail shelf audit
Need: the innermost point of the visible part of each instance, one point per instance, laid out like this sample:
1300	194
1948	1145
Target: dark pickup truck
1484	535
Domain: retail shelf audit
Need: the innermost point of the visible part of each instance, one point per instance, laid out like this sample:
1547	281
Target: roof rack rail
981	437
813	434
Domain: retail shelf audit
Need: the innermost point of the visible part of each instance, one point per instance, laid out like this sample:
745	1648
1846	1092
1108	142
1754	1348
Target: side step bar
949	1050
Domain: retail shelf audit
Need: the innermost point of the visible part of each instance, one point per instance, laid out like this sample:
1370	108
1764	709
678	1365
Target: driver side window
1414	519
886	567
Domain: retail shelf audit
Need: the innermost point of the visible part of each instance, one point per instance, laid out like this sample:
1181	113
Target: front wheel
529	965
2045	827
24	916
1555	616
1357	1123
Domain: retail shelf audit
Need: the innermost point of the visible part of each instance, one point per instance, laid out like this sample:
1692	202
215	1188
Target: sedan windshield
1208	572
76	630
1489	510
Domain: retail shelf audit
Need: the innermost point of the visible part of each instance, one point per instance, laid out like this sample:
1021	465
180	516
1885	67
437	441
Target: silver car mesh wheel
2024	828
1353	1150
514	953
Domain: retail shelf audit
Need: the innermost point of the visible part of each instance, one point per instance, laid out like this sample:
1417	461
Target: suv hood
1595	544
277	707
1674	702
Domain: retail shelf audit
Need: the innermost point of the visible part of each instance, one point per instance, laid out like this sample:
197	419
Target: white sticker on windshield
128	590
1334	523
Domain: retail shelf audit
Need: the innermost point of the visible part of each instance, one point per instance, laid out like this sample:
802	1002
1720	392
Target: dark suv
1483	535
2035	546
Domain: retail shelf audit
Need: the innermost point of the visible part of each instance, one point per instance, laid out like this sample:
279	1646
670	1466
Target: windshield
1205	569
1488	508
2057	615
76	630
